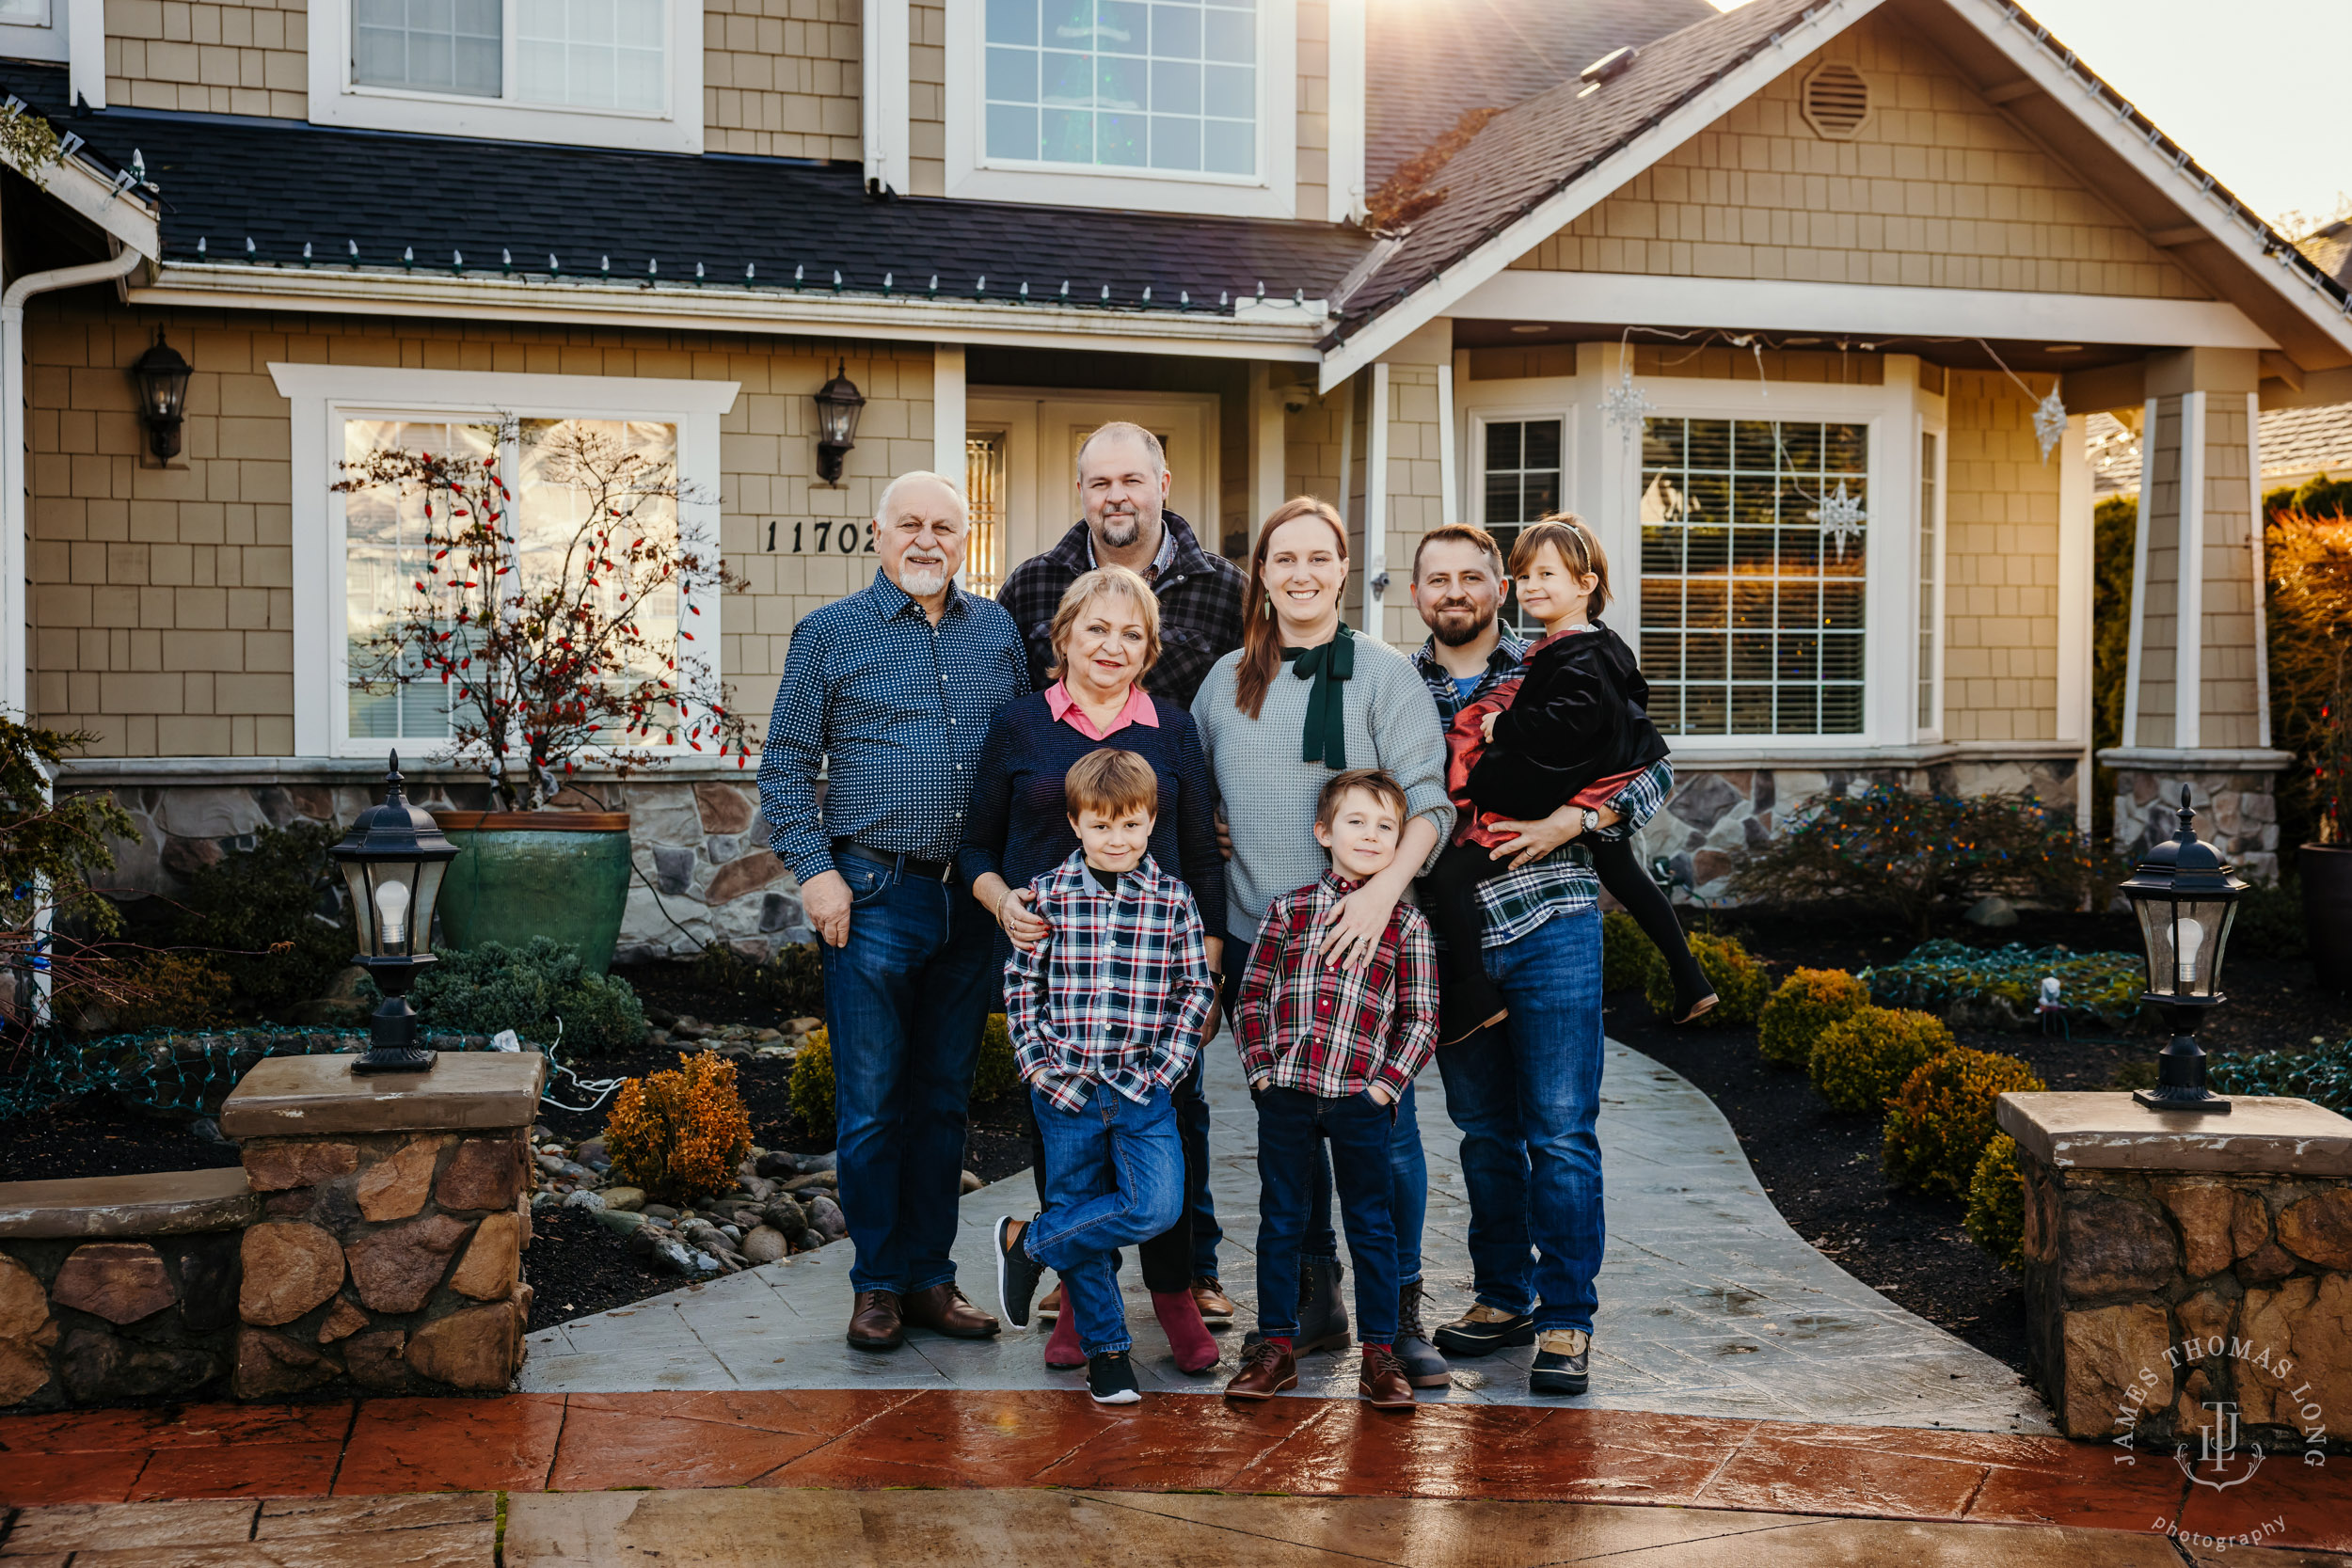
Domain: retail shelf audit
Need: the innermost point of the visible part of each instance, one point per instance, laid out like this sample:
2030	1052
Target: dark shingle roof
1429	61
284	184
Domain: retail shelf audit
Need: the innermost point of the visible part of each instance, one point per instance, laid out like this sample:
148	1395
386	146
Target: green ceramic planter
518	874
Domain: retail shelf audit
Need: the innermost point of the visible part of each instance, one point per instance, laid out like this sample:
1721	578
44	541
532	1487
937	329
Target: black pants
1168	1257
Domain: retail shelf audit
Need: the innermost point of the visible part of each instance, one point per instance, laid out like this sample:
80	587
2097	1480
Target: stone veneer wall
1716	813
2238	810
704	870
2149	1294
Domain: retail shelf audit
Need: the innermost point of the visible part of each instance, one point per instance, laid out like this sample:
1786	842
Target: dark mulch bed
1822	1168
97	1135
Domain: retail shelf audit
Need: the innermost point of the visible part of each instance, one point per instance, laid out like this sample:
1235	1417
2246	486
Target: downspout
15	651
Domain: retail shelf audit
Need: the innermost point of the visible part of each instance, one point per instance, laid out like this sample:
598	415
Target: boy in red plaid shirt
1105	1014
1328	1051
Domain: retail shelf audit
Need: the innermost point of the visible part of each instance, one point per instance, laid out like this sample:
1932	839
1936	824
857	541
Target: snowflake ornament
1626	405
1841	516
2049	422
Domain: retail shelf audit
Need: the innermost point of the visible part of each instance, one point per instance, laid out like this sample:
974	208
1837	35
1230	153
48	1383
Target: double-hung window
610	72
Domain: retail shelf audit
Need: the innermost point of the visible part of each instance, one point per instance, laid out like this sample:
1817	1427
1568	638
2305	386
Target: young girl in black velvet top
1572	728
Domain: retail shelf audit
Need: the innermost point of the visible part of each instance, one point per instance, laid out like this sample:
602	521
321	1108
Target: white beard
921	582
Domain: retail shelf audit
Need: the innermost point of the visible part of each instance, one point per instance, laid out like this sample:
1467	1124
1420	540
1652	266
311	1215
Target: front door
1021	455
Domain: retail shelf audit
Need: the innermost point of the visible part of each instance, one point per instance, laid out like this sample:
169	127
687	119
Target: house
2297	444
1806	303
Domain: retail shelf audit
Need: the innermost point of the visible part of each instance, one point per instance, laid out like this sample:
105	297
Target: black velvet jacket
1580	715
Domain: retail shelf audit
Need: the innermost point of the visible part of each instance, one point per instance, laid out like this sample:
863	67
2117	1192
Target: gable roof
2293	441
1537	165
1428	62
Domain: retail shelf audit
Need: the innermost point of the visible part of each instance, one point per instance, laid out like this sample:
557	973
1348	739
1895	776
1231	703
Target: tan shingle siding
781	78
1939	191
240	59
2000	560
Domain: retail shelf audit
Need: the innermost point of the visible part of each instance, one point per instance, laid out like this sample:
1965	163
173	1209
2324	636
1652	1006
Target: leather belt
908	865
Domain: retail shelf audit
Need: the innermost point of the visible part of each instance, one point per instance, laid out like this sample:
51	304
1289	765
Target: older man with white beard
890	690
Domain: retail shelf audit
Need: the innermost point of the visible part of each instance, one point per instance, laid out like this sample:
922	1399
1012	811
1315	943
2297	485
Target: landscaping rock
972	1183
120	1281
812	1239
778	1165
395	1188
823	1178
493	1258
659	1211
584	1199
624	1197
485	1173
783	1215
273	1165
2320	1228
270	1365
765	1244
681	1258
289	1267
397	1268
343	1321
1992	912
825	1217
472	1348
374	1359
619	1221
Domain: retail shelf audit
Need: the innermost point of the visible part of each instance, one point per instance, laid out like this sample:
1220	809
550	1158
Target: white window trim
335	99
23	38
1925	425
1273	193
1601	482
324	395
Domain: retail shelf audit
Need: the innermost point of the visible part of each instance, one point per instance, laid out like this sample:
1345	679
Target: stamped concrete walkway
1710	1303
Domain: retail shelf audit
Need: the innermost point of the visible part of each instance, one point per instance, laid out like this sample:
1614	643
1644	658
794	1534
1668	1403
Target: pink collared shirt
1066	710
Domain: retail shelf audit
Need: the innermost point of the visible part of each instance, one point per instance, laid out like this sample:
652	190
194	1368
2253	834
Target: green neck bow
1325	737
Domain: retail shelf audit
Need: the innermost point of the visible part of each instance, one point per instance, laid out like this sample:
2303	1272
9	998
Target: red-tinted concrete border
860	1439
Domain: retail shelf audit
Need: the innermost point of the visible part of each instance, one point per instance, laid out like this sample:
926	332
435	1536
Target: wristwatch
1592	820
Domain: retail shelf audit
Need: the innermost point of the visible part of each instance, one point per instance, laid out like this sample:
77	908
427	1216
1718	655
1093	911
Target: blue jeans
1292	1128
1409	1200
1526	1098
1114	1177
905	1000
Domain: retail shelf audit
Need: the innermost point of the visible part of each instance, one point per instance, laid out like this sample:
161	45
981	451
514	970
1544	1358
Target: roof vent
1837	101
1610	65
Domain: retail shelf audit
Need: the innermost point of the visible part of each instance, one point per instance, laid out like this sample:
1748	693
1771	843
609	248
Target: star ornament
1841	517
1626	405
2049	422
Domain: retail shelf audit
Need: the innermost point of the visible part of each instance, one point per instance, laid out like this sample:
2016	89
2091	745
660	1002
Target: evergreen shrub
531	990
1739	978
811	1090
1865	1057
1941	1120
1626	954
271	916
1806	1003
680	1134
1996	1203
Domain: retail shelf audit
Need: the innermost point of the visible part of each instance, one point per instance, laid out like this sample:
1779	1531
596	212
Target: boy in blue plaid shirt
1106	1015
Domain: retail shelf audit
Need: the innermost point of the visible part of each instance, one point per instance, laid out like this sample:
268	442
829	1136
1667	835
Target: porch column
2195	707
1407	468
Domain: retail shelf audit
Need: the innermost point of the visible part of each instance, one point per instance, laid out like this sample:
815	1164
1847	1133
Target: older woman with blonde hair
1105	638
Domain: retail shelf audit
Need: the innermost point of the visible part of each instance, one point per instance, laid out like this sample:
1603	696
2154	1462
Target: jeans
1292	1128
1172	1258
1408	1164
1526	1098
1114	1175
905	1000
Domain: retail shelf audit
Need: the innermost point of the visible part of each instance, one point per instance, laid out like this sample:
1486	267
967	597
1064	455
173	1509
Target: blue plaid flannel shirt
1563	882
1117	992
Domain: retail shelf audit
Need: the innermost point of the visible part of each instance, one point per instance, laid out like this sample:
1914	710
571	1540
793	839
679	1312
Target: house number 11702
843	538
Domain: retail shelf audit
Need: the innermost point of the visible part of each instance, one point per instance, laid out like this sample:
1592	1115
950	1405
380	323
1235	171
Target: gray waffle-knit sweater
1268	794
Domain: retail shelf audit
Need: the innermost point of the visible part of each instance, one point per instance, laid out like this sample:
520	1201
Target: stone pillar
394	1215
2196	707
2177	1262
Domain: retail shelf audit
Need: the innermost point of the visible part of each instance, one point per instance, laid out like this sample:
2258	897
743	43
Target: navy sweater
1020	822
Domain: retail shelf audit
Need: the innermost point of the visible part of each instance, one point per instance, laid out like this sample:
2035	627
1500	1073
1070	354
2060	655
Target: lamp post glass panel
837	405
393	861
163	381
2186	898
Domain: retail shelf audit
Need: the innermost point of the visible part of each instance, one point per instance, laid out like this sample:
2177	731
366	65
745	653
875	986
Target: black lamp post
2185	899
163	379
393	861
837	405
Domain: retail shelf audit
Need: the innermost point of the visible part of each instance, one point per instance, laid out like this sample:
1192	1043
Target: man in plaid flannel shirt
1105	1014
1526	1096
1328	1051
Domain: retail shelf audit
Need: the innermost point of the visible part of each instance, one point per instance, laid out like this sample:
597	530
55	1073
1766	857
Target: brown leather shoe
1050	1306
876	1324
944	1310
1216	1308
1266	1372
1382	1381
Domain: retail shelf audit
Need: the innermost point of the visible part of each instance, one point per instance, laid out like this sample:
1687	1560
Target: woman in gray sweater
1301	699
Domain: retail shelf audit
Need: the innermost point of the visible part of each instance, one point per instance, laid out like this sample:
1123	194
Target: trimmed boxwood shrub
1940	1122
812	1081
1997	1202
999	1071
1739	978
1626	954
1806	1003
1865	1057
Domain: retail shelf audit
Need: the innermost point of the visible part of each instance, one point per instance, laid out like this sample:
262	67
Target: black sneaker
1017	1273
1483	1330
1111	1378
1564	1362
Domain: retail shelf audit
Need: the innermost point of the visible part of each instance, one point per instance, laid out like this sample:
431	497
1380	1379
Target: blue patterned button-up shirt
1563	882
895	710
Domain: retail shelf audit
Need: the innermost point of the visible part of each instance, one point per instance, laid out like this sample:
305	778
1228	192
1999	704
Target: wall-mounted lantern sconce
837	405
163	378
